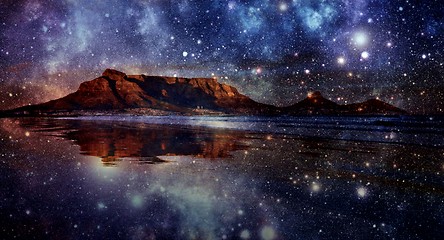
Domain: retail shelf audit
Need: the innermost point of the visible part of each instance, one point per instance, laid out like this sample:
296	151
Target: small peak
113	74
374	100
315	94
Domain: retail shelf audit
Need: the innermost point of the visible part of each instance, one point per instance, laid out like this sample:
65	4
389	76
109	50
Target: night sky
273	51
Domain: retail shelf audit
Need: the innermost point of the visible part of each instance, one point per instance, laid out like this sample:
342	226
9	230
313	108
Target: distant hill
315	103
116	91
372	106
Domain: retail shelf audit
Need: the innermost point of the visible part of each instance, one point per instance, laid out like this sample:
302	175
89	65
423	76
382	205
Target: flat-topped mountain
116	91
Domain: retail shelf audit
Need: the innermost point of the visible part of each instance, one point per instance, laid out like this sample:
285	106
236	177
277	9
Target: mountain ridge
117	91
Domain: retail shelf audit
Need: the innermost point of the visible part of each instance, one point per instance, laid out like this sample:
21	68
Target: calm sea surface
175	177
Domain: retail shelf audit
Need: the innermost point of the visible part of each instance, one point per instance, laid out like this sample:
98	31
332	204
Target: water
177	177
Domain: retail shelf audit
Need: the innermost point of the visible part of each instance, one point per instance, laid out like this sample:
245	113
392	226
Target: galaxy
273	51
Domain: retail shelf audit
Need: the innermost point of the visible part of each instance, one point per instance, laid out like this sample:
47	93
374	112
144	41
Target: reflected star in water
348	187
260	47
362	192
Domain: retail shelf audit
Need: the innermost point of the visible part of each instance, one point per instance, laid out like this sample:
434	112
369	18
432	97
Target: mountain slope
372	106
315	103
115	90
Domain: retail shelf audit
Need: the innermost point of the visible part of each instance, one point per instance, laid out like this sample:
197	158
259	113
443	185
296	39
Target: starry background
273	51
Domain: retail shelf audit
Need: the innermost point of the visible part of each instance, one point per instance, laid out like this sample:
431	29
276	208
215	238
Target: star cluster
272	51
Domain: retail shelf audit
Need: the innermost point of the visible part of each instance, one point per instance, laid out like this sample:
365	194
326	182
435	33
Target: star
341	60
283	7
360	39
79	39
365	55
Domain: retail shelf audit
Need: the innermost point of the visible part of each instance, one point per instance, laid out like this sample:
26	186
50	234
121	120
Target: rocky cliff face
115	90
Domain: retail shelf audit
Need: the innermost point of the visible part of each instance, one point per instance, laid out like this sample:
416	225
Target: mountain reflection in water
142	143
222	178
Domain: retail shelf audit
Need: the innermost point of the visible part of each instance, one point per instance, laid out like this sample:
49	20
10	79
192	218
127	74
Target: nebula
272	51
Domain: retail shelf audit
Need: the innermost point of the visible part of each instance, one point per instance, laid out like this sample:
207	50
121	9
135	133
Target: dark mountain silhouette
116	91
372	106
315	103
